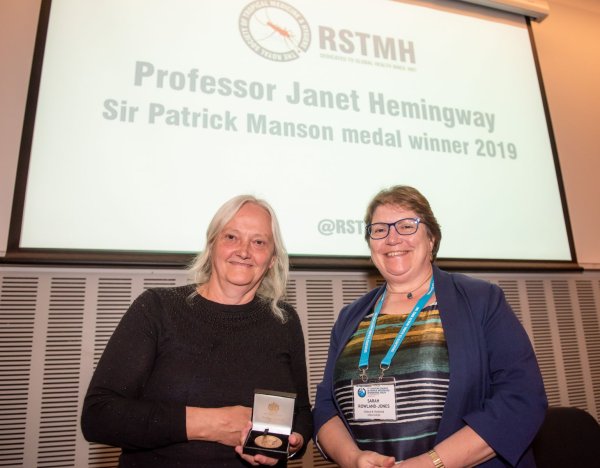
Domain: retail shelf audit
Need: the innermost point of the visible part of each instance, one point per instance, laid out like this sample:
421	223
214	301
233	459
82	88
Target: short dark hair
411	199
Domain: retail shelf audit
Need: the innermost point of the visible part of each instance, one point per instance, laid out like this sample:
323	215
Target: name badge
374	401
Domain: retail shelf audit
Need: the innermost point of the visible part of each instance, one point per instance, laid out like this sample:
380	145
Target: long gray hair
272	288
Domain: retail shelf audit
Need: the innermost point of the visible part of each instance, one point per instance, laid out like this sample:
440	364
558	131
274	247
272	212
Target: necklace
409	294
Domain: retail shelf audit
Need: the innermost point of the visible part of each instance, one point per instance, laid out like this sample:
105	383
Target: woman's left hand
295	440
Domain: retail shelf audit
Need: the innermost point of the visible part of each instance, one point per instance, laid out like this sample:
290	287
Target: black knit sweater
174	349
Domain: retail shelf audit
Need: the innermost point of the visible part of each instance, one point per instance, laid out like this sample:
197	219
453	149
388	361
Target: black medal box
272	419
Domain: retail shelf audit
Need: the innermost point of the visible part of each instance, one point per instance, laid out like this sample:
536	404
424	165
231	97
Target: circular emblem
274	30
362	392
268	441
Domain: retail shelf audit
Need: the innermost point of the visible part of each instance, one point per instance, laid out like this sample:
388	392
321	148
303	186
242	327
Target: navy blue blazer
495	382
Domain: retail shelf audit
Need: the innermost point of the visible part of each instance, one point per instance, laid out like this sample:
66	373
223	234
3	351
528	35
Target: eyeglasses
404	227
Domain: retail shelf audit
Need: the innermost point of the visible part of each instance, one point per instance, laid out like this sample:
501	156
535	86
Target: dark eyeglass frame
417	222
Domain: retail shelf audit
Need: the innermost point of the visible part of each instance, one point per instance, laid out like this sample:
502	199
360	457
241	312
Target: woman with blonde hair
176	382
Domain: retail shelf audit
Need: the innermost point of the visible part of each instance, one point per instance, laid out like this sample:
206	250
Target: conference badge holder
272	418
374	400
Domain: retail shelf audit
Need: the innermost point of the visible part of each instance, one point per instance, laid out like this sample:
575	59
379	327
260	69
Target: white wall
568	44
18	22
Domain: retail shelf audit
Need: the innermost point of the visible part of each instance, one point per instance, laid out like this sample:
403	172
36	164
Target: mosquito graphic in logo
274	30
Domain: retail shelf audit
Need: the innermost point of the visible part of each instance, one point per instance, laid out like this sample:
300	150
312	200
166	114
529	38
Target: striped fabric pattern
421	373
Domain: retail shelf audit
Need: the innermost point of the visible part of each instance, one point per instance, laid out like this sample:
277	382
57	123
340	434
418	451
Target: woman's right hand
335	440
223	425
368	459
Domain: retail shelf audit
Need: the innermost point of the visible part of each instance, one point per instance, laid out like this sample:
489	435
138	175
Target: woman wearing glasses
431	369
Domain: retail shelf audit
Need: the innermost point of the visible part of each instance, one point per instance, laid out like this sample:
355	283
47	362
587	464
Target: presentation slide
152	113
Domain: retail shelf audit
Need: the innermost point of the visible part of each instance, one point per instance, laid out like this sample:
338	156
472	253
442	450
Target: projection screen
150	114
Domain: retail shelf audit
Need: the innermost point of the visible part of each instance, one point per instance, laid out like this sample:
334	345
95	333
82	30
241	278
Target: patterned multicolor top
421	372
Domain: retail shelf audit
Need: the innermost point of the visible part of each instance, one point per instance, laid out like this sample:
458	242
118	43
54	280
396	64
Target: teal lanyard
363	364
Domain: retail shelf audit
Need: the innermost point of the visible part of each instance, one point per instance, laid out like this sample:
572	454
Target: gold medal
268	441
